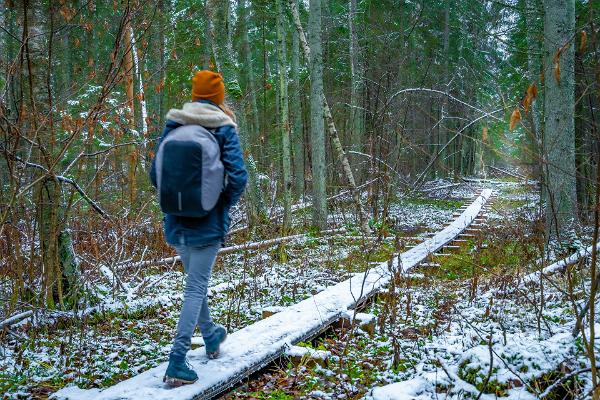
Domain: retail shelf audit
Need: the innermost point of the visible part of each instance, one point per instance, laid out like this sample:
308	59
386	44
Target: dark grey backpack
189	172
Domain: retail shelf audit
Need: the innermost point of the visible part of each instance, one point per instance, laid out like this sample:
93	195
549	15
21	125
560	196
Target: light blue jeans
197	263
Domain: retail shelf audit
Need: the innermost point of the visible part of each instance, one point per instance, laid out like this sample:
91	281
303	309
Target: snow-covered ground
437	335
131	332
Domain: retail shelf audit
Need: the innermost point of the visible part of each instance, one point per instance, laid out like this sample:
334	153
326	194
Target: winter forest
420	217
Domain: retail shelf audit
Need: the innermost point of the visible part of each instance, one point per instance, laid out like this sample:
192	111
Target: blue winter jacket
213	227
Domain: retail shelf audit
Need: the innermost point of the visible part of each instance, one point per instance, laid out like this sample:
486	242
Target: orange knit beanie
208	85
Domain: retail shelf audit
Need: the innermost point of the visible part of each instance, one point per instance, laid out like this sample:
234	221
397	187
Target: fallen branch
503	171
228	250
558	266
16	318
452	185
565	378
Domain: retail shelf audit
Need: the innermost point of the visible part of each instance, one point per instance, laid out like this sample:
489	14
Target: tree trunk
128	70
317	126
247	78
296	109
214	62
284	122
559	135
533	74
256	208
446	156
357	108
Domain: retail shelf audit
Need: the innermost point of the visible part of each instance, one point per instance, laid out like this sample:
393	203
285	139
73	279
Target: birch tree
559	124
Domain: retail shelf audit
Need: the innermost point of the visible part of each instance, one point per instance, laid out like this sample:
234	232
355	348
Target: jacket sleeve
233	161
168	128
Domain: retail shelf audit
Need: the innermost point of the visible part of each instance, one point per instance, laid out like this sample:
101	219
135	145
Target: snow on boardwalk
250	349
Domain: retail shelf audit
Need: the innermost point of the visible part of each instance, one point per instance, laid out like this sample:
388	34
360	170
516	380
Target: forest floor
454	330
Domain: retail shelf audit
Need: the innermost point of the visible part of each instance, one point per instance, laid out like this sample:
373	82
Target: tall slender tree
284	122
296	111
317	122
559	109
357	106
255	205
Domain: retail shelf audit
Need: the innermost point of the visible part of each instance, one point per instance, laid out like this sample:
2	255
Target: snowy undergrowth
455	331
133	333
128	334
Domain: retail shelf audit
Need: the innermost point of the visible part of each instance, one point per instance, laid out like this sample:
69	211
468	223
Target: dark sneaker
179	372
213	342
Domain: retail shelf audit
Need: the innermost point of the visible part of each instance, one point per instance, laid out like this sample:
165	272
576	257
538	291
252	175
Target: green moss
275	395
477	376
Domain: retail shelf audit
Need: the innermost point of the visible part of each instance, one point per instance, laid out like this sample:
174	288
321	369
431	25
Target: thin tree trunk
248	71
141	94
357	109
255	205
128	70
209	10
296	109
284	119
446	157
533	73
559	135
317	128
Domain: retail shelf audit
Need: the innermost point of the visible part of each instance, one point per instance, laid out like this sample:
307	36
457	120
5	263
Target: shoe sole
216	354
176	382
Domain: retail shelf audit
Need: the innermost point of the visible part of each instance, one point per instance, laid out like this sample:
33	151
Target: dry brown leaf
526	103
77	42
582	41
514	119
484	134
557	72
532	91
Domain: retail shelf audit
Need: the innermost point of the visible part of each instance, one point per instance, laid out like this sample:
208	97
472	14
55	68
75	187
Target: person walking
200	174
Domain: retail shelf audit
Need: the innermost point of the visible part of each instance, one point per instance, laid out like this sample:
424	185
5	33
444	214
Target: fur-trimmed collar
204	114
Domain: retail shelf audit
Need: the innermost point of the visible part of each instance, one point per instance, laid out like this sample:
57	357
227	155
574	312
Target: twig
565	378
64	179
